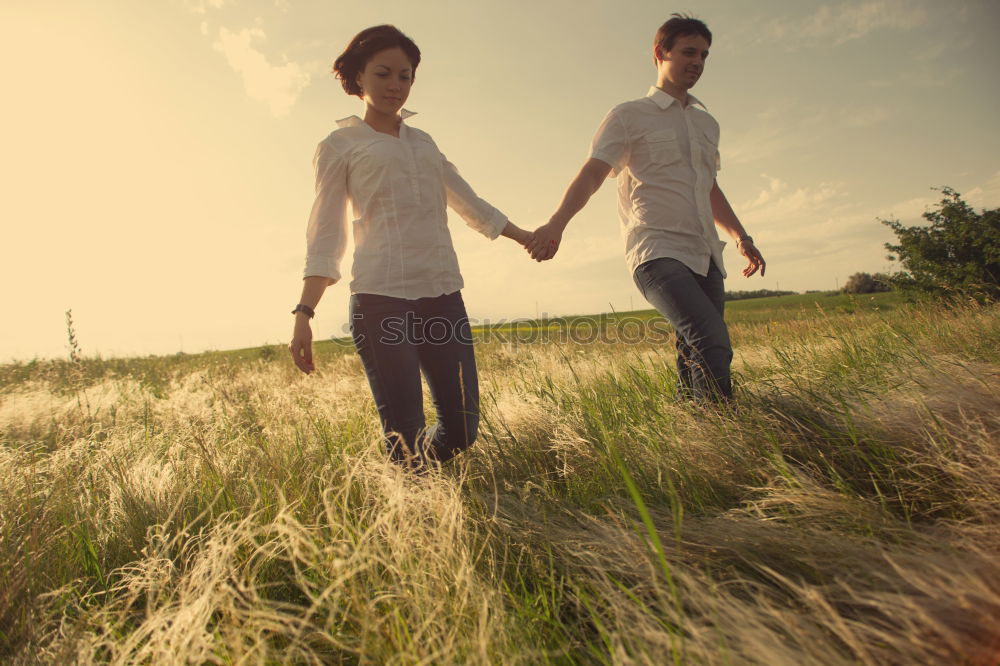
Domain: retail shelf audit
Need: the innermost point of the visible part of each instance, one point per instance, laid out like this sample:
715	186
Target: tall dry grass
222	510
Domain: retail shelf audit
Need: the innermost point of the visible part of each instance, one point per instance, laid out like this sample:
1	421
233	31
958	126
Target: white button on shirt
665	157
399	189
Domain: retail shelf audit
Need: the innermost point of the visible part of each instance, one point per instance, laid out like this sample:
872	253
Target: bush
866	283
959	252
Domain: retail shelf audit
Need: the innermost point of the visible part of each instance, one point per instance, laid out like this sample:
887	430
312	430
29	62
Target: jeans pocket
639	277
657	273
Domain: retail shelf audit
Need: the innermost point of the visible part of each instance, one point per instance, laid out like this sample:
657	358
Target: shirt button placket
694	148
414	177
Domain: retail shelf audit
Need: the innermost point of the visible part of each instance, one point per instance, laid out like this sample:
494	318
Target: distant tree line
759	293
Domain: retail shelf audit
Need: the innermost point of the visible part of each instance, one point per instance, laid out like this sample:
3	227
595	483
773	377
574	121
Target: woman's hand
301	344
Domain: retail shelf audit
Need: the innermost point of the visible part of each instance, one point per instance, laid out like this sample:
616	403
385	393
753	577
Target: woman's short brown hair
365	44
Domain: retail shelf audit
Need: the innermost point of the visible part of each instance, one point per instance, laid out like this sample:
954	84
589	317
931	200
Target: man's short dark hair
680	25
367	43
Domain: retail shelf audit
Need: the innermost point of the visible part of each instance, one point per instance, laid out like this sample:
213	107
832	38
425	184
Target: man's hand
754	258
545	242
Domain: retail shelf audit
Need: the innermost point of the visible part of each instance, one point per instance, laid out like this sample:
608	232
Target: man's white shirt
665	157
399	189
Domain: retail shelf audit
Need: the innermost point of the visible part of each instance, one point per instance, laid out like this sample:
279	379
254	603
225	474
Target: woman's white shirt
399	189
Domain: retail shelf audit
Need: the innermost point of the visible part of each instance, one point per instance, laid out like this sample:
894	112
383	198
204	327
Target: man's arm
547	237
724	216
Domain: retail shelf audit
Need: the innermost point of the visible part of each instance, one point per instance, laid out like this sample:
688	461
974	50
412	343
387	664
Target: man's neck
680	94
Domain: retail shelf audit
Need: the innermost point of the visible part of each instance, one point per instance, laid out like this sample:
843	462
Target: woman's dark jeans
398	339
693	304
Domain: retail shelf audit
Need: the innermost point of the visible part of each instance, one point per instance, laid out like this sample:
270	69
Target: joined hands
544	242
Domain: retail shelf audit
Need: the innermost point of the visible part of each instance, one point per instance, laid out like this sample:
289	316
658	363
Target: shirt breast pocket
663	147
427	154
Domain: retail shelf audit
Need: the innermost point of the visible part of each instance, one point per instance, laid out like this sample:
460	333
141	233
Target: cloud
847	21
920	77
757	143
776	131
868	117
793	210
202	6
836	24
986	195
278	86
812	237
801	228
779	197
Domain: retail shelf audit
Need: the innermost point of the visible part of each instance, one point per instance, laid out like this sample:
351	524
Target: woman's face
386	79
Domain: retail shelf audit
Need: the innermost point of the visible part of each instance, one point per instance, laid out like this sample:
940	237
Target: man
663	148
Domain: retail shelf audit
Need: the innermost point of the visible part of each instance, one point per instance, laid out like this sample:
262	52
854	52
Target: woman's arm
326	233
517	234
301	344
326	240
476	212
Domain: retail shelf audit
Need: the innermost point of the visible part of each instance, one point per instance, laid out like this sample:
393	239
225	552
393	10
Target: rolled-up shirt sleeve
476	212
611	143
326	234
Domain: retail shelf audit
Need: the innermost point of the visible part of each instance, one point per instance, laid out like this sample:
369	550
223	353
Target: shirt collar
352	121
664	100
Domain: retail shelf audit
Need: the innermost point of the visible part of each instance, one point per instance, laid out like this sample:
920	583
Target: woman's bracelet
304	309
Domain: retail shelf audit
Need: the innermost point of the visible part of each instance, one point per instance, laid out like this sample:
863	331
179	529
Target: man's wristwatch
305	309
743	239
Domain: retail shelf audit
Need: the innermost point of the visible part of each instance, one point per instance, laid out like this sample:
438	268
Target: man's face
683	64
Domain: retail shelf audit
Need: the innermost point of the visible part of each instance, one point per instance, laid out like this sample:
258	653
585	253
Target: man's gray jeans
693	304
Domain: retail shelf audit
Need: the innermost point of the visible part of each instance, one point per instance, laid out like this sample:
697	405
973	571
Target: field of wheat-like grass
224	508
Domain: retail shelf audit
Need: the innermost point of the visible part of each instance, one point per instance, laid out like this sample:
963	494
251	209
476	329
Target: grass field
224	508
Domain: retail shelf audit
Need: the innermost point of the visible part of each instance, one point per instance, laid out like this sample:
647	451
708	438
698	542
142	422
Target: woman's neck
383	122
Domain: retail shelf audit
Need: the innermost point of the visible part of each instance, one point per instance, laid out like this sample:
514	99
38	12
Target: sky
157	175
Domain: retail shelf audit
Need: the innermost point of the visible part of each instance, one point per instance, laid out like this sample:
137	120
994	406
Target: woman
406	309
